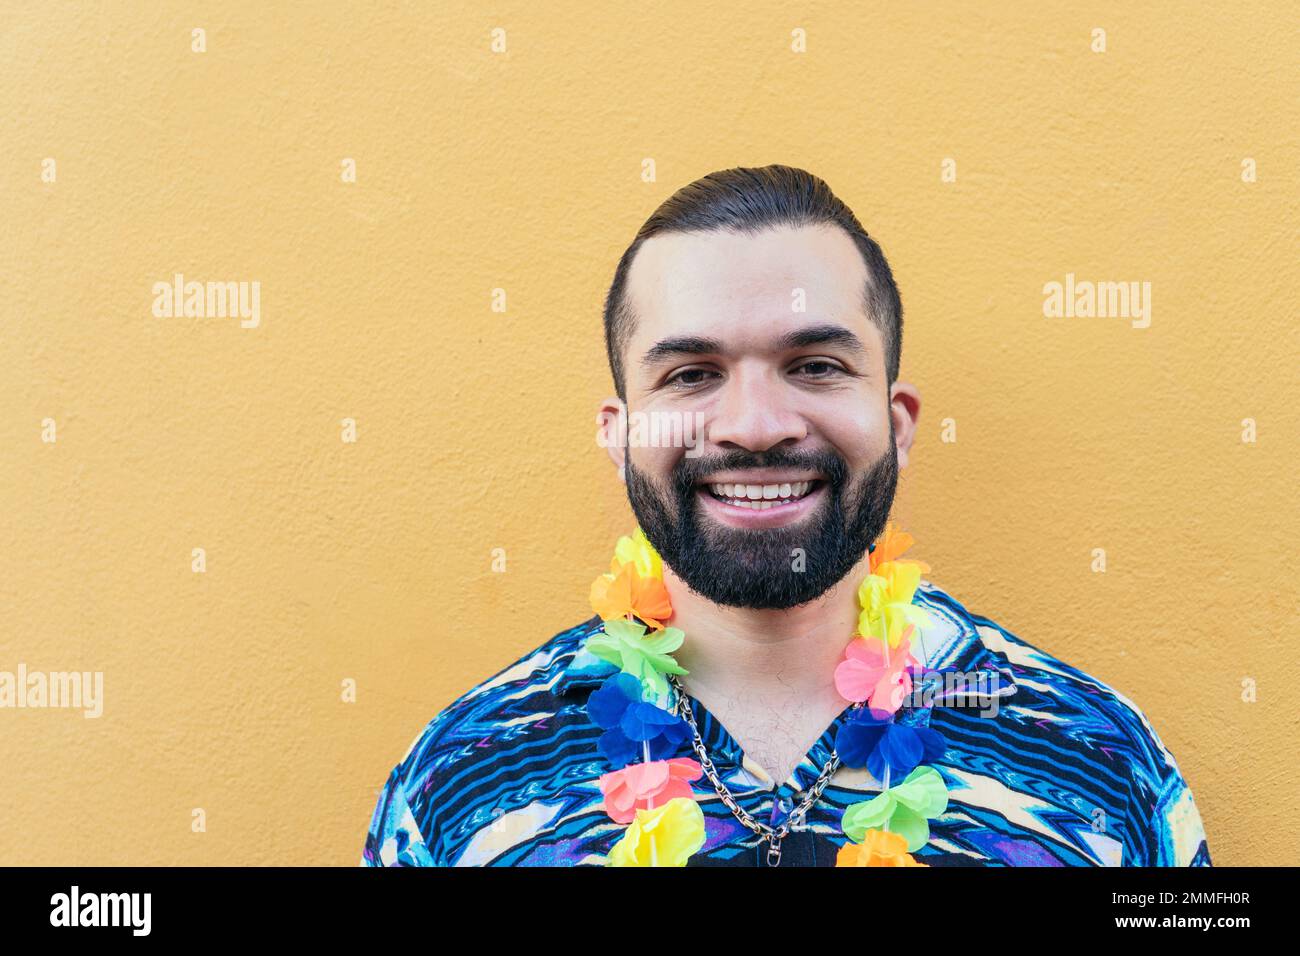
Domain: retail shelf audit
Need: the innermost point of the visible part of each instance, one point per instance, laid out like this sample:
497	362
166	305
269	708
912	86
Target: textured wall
522	170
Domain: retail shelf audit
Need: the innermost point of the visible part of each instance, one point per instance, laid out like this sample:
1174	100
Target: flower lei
654	798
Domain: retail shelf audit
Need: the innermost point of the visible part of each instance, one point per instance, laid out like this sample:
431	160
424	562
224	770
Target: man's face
765	342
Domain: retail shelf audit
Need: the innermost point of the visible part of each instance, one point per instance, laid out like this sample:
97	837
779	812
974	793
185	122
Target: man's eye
818	369
689	378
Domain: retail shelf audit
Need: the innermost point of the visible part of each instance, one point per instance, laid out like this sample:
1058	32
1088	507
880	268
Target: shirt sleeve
394	837
1164	824
1178	834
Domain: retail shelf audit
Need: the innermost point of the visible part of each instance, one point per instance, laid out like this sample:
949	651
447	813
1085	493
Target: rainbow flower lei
653	797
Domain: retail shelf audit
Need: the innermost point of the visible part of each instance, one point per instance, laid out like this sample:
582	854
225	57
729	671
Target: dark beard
757	568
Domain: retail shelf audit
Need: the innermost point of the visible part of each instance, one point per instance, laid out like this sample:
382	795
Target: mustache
690	472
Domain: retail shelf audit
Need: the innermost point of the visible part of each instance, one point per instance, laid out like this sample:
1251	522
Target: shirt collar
582	669
956	642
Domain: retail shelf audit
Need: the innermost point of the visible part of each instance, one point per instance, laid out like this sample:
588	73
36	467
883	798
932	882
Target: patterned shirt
1045	766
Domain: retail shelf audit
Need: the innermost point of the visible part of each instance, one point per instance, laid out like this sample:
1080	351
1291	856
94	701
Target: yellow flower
886	600
666	836
640	553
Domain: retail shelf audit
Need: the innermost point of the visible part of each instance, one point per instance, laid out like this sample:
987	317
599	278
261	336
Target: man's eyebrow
822	335
679	345
799	338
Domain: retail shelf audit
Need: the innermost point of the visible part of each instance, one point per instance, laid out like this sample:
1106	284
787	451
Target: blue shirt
1046	766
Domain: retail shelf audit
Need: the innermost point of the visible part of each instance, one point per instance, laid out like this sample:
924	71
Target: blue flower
876	742
629	723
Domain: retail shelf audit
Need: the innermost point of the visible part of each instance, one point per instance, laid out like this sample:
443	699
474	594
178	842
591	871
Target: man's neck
781	656
768	676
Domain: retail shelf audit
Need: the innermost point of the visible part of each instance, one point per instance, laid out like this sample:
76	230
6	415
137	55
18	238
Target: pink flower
643	786
863	675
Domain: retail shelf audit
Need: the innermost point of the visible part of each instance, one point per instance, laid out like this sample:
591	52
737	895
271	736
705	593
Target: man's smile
759	499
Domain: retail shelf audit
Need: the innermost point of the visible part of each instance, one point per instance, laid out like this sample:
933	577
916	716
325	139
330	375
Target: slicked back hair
749	200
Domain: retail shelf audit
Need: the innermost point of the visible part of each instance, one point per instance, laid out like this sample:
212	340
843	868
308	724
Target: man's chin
745	564
754	580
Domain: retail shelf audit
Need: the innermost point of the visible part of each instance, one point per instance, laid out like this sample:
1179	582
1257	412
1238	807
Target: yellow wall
522	171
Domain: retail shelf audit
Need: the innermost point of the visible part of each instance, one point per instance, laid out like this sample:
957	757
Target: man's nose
754	413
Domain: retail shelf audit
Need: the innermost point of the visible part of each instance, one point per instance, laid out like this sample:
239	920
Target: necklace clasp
773	851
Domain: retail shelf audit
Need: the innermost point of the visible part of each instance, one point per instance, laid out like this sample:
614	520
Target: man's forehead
740	288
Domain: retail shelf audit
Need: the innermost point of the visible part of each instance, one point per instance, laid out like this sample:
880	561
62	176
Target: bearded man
754	303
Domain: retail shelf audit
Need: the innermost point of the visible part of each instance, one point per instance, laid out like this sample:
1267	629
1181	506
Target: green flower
624	644
903	809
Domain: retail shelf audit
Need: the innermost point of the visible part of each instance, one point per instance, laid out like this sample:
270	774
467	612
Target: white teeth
760	497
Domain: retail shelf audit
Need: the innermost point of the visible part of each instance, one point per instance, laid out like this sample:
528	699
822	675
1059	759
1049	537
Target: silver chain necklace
772	835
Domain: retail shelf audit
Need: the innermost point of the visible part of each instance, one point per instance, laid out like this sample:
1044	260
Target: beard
765	568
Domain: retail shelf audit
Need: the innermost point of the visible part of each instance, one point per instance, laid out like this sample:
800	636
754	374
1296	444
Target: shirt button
786	804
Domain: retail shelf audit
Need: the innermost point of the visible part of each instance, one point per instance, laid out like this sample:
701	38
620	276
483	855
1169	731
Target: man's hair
749	200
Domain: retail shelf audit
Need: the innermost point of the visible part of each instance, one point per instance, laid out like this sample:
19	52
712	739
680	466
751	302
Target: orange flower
878	848
624	592
890	545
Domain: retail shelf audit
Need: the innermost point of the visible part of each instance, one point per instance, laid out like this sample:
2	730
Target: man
754	303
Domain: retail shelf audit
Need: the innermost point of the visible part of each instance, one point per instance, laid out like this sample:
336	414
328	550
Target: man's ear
612	433
905	409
